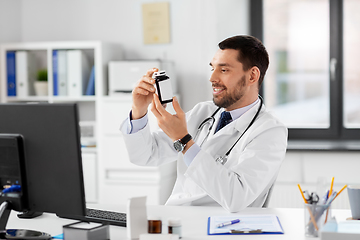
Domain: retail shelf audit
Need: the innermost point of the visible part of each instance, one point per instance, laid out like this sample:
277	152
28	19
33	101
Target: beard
231	97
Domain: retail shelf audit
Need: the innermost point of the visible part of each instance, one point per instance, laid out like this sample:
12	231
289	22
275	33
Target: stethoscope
211	120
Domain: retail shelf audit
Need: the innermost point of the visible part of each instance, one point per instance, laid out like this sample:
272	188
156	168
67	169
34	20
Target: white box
123	75
86	231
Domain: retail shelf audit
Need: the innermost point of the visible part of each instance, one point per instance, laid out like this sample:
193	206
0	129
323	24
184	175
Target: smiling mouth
218	90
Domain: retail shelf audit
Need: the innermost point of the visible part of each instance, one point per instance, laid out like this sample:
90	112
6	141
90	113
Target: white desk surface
194	221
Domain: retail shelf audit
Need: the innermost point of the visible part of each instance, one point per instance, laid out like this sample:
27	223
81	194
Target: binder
62	72
11	73
55	72
249	224
90	90
25	73
78	72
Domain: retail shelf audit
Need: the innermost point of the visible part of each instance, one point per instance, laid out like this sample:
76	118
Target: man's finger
160	108
154	110
176	106
146	86
150	72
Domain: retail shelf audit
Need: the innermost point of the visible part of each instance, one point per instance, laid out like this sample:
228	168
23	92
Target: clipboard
249	224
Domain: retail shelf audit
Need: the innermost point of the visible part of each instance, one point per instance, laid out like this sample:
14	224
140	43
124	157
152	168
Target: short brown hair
251	53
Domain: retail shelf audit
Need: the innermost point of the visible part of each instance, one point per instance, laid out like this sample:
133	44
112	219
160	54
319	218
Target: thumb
176	106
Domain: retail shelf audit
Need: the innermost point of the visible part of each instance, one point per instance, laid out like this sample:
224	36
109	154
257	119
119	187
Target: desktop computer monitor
52	151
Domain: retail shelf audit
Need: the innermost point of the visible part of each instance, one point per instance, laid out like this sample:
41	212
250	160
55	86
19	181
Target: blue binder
55	72
11	73
90	90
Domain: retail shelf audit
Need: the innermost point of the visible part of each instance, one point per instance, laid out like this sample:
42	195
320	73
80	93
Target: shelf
51	99
28	99
74	99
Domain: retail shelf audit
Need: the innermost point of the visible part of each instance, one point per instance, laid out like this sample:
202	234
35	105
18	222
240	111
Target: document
248	224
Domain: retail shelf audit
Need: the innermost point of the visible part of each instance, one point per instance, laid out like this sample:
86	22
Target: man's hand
142	94
173	125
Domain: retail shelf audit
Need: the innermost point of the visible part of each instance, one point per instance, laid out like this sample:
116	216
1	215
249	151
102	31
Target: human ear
254	74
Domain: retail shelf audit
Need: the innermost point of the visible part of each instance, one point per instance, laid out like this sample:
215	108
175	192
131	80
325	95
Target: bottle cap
154	218
174	222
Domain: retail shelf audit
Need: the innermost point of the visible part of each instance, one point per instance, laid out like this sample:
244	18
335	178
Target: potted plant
41	83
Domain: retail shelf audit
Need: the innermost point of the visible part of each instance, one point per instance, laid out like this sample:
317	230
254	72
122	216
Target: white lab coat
243	181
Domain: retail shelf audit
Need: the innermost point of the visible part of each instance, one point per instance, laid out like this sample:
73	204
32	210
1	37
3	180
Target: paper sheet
267	223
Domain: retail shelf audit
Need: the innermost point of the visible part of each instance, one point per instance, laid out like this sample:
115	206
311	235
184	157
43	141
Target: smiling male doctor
244	180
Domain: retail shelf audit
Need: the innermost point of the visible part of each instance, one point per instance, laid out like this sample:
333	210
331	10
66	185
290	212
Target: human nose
213	77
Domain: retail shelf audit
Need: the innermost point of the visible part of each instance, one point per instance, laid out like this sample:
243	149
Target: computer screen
53	161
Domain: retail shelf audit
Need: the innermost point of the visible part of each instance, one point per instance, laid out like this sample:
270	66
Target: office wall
196	28
10	21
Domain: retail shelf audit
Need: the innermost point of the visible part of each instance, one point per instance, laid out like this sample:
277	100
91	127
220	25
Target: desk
194	221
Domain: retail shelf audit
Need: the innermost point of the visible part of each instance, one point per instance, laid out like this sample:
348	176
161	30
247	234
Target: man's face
229	80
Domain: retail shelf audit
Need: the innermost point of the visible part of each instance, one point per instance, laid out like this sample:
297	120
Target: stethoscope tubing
212	119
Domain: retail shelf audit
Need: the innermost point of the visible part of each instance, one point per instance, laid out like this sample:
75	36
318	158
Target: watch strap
186	139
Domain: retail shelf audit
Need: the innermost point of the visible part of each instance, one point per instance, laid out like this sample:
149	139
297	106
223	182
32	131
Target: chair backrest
266	203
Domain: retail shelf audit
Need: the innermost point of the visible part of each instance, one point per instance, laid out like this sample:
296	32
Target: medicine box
86	231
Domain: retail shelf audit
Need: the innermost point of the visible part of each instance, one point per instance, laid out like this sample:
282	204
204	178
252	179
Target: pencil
331	187
302	194
330	192
340	191
311	215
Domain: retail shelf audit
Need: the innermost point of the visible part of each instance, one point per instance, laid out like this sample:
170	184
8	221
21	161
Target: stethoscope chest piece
222	159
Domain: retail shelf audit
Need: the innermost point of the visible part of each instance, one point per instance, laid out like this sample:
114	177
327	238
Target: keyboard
101	216
109	217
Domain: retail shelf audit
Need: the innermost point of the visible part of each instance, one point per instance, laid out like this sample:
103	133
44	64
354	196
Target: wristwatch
180	144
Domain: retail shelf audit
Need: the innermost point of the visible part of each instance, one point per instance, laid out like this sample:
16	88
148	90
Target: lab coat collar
238	125
244	120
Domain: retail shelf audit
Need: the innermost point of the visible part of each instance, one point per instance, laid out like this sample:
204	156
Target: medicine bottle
154	225
174	226
163	87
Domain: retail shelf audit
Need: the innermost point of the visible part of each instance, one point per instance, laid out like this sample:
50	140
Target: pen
331	198
307	196
228	223
336	194
324	198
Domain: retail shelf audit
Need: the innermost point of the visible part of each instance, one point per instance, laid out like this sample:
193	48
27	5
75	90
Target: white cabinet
108	175
89	163
121	179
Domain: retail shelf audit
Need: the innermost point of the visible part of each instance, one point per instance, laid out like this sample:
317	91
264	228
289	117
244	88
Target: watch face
178	146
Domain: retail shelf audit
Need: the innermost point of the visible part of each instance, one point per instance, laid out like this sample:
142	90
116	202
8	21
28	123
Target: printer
123	75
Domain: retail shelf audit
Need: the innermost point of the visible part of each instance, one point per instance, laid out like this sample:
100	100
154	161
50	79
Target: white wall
10	21
196	28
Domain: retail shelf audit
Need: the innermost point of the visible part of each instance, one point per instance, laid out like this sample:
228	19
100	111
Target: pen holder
316	216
